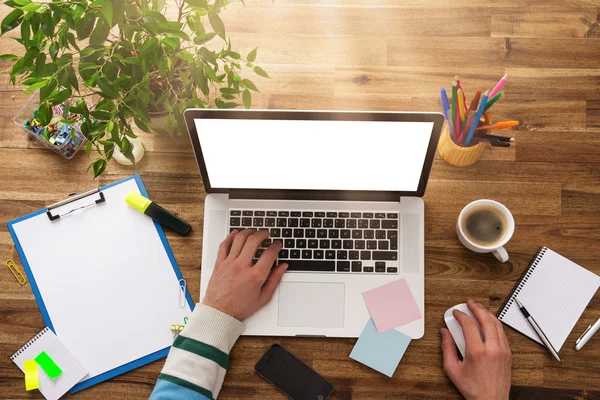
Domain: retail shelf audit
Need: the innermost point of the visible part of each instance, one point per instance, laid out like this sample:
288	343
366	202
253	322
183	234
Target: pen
470	114
454	105
537	330
500	138
157	213
491	101
493	142
476	119
445	108
499	85
498	125
461	105
587	335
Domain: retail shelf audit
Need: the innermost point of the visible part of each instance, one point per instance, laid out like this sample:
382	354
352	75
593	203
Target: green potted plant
130	61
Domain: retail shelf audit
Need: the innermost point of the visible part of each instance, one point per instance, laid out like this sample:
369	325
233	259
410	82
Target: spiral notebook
556	291
72	370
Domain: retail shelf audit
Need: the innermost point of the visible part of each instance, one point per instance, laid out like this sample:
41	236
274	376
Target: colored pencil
453	105
498	125
499	85
445	108
459	86
491	101
476	118
470	114
493	142
461	105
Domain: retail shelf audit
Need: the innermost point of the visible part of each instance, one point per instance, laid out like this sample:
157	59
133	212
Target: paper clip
182	291
176	328
16	272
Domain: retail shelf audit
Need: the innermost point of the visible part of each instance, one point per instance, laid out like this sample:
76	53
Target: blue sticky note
380	351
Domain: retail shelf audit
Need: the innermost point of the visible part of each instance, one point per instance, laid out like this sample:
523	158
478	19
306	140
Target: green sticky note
48	365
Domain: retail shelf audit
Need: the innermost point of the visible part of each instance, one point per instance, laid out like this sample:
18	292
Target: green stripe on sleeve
202	349
186	384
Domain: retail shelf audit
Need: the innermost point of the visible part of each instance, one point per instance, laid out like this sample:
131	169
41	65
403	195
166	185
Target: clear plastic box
66	143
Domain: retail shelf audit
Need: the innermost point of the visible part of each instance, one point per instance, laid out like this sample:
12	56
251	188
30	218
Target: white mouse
455	328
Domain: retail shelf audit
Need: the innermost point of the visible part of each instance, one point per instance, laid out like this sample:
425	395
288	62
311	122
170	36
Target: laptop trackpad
319	305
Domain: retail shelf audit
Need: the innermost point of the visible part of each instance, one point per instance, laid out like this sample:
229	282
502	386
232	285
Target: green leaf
100	33
31	7
20	2
99	167
118	11
37	85
88	51
71	77
234	54
44	114
108	89
221	104
72	41
106	6
53	50
11	21
248	84
148	44
85	25
48	24
171	42
48	89
210	74
217	24
247	98
101	115
8	57
261	72
252	55
61	96
201	39
197	3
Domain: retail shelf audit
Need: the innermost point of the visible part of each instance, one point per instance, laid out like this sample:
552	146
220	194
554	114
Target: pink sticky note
391	305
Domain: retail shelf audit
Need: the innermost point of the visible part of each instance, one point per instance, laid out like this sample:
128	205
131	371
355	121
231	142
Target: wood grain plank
508	52
293	19
582	24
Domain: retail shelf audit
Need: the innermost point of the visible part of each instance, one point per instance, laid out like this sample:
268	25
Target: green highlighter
158	213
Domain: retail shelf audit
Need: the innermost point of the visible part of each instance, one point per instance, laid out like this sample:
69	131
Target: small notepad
46	350
555	291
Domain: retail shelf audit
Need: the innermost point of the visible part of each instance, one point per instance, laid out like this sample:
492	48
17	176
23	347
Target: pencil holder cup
460	156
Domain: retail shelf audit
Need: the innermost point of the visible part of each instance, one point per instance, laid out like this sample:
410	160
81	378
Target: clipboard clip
71	199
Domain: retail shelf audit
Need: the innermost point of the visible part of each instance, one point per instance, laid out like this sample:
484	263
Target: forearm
196	365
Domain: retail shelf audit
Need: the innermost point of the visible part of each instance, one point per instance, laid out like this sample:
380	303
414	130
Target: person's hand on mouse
237	287
484	374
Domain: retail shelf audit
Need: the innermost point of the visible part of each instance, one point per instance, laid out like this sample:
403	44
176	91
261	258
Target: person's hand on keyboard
237	287
484	374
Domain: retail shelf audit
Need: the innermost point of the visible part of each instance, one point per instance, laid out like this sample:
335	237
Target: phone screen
292	376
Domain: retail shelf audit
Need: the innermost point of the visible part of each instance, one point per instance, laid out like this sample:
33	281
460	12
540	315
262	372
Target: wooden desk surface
380	55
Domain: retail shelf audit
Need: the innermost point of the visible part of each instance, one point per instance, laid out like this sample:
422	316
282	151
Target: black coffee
485	225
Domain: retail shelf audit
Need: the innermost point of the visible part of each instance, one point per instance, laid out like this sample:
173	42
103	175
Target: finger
502	335
473	341
486	322
272	282
238	243
225	247
252	244
268	258
450	356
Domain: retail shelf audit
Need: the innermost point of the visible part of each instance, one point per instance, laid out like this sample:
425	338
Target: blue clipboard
133	364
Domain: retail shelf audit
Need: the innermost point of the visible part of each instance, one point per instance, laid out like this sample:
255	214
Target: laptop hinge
313	195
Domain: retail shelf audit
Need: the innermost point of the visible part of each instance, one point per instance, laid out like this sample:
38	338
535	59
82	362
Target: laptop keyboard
327	241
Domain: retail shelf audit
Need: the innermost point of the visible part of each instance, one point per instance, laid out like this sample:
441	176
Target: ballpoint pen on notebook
534	325
587	335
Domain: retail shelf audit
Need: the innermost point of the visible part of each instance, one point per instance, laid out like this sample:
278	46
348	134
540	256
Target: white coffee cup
497	249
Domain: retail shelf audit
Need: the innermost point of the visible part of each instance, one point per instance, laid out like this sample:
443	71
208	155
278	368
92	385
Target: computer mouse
455	328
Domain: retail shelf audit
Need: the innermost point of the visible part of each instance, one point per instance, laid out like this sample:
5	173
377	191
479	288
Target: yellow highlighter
158	213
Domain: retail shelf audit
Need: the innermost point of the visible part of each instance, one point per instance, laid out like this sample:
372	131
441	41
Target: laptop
341	191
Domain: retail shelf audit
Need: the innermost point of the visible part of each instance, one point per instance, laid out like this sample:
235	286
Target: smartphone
292	376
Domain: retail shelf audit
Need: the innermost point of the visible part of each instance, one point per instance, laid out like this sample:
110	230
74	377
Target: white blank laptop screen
310	154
